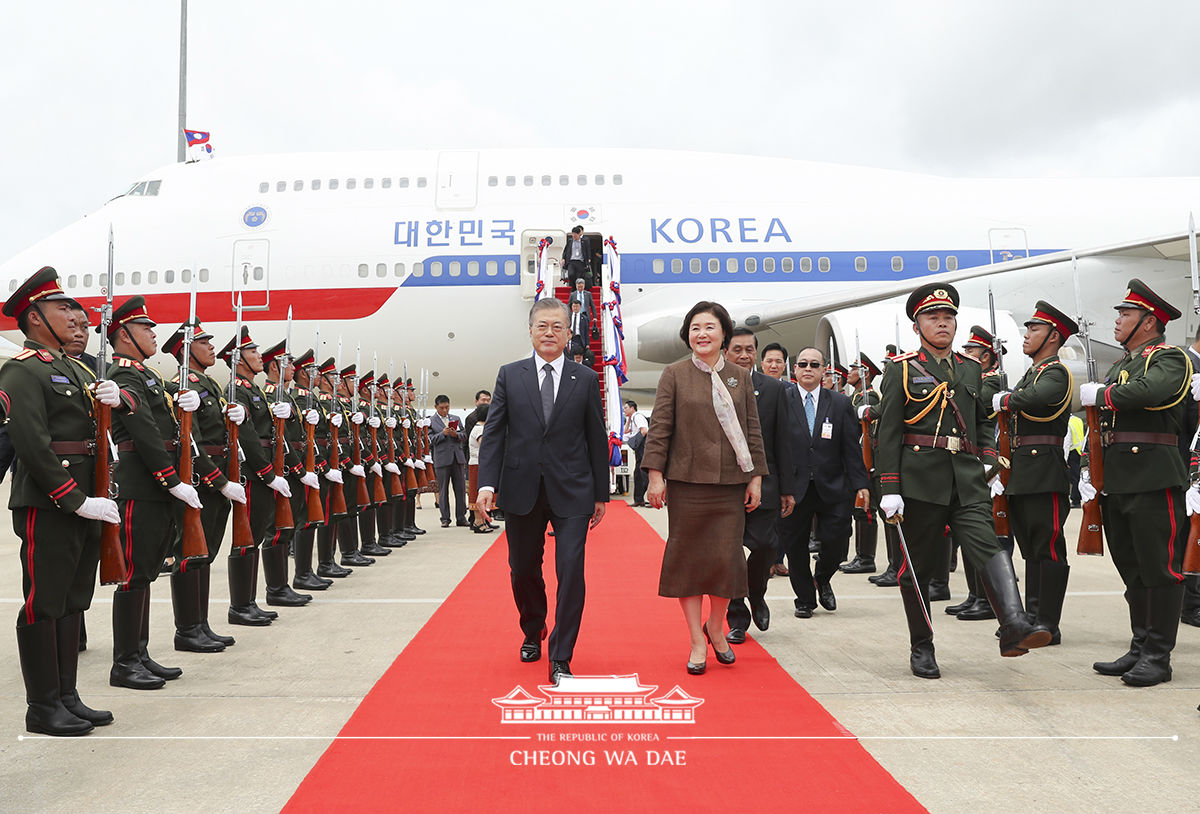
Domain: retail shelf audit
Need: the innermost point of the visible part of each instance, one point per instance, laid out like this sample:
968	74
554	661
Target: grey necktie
810	412
547	391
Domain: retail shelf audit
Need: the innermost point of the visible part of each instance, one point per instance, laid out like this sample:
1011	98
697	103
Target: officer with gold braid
1145	520
934	440
1039	499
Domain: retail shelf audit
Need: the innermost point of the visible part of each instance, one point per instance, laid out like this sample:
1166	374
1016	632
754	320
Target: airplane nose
78	250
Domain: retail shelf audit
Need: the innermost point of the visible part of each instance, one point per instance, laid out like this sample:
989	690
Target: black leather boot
410	513
274	562
383	527
888	578
1136	599
66	632
920	634
1052	589
82	632
265	613
866	540
185	600
304	578
969	573
366	534
347	540
326	539
38	647
241	591
1017	635
1163	603
939	590
203	582
167	673
127	669
1033	583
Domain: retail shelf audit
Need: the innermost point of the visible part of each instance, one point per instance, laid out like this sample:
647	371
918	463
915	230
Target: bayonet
1192	260
1084	323
105	314
997	345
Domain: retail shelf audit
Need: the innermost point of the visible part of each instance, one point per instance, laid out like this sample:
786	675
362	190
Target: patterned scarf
726	414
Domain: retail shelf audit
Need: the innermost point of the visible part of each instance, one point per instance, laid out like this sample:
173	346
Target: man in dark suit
577	257
545	451
828	466
448	460
578	325
761	535
1190	615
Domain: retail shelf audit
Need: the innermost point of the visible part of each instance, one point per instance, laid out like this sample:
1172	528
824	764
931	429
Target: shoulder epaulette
1149	349
904	357
27	353
242	382
175	379
962	357
269	388
123	362
991	373
192	377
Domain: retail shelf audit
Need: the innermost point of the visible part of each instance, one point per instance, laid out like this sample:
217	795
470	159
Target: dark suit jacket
833	466
585	245
587	304
519	450
445	450
771	397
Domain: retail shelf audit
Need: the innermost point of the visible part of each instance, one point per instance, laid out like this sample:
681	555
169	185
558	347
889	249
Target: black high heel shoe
728	657
697	669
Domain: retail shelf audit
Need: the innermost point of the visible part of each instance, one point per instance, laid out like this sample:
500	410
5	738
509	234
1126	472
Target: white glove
408	422
1087	393
187	493
1192	498
409	463
998	401
236	414
188	400
281	409
99	508
1087	492
1196	386
425	422
309	479
419	464
377	469
373	422
234	491
335	419
863	410
997	486
312	417
357	418
391	423
280	485
428	459
358	471
390	467
109	394
334	476
891	504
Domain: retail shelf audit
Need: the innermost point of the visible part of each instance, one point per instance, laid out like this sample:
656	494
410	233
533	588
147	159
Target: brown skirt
705	523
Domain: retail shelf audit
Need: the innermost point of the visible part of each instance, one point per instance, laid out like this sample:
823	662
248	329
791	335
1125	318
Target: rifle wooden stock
194	544
243	537
113	569
430	472
1191	554
1091	530
283	505
337	495
411	481
395	484
361	496
378	496
316	514
1000	515
868	462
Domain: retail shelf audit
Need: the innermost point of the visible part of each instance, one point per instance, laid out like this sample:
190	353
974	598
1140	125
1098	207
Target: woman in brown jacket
704	447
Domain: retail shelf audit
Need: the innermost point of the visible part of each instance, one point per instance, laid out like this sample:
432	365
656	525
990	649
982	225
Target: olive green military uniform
866	523
275	550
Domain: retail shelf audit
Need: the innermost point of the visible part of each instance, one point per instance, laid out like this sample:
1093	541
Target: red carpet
429	738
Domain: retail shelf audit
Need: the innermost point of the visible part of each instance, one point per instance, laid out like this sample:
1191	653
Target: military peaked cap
1140	296
1046	314
930	297
42	285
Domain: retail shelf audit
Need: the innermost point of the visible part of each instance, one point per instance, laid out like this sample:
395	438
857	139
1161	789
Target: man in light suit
545	451
448	460
587	303
829	470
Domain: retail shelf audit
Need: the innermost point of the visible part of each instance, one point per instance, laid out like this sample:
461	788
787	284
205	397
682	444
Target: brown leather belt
1033	440
951	442
169	445
215	449
1164	438
73	447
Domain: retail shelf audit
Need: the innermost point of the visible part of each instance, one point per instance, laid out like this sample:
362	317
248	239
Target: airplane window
298	186
264	187
860	263
599	179
72	280
473	268
316	184
185	276
140	189
805	264
751	265
510	268
204	275
135	278
935	262
151	277
403	183
581	180
788	265
823	264
731	265
386	183
399	267
694	265
258	273
677	265
381	270
455	268
493	181
897	263
368	183
491	268
563	180
618	179
421	182
435	268
510	180
546	180
120	278
169	276
87	281
12	285
528	180
152	187
333	183
363	271
658	266
418	269
951	263
281	186
350	183
768	265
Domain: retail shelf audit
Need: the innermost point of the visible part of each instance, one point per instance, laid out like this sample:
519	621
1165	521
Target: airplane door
457	179
1007	244
251	274
529	258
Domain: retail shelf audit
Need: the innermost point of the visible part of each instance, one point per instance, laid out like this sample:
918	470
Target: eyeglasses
554	327
810	364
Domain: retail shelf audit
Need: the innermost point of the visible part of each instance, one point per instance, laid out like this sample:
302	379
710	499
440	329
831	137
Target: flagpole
182	151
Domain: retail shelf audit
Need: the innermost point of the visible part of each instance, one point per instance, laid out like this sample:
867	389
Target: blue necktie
810	411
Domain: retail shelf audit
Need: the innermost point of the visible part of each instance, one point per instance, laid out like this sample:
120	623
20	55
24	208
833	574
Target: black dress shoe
531	651
445	524
959	607
1192	618
558	669
804	613
858	565
887	579
982	609
825	596
760	614
332	569
736	636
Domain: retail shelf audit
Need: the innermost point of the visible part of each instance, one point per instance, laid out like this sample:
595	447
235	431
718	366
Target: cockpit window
143	188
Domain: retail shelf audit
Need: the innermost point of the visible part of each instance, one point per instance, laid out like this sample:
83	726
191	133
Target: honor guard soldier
1145	520
404	460
337	456
866	525
190	581
1039	499
888	578
150	495
394	500
933	433
54	514
346	535
305	534
413	427
374	469
255	433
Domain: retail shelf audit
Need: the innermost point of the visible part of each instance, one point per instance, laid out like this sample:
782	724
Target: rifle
113	569
859	502
431	474
316	514
283	505
243	537
1000	516
337	495
194	545
378	496
395	485
361	496
1091	530
411	481
1191	553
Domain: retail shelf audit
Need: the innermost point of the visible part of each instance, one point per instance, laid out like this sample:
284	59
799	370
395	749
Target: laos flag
196	137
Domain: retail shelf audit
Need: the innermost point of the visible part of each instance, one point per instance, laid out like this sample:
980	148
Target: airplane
431	257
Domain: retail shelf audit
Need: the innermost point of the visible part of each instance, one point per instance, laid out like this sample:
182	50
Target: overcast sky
962	88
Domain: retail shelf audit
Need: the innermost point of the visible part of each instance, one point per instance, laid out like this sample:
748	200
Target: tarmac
240	729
